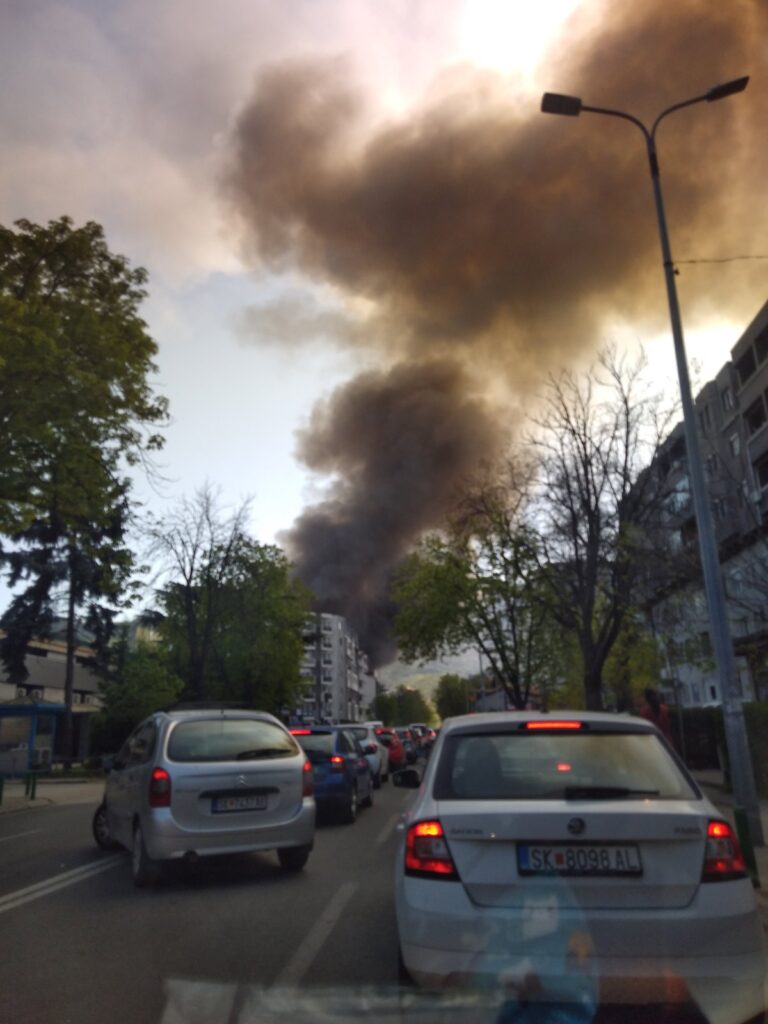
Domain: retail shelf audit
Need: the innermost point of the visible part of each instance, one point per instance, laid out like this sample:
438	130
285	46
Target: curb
14	805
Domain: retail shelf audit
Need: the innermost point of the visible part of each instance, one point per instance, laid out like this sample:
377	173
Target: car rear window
229	739
317	745
547	766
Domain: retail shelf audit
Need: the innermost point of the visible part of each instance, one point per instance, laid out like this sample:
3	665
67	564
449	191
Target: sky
367	247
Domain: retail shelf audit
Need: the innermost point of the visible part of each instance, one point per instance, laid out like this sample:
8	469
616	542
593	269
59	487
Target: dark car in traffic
342	775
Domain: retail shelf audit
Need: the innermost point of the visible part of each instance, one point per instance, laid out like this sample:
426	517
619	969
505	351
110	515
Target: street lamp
735	731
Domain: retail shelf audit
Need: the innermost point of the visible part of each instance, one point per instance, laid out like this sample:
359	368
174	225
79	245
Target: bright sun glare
509	35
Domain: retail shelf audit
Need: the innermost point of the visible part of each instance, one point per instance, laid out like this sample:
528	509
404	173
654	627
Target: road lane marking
313	942
18	898
384	835
18	835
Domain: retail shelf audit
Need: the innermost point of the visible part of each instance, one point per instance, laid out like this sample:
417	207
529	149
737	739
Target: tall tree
478	584
596	437
76	405
233	611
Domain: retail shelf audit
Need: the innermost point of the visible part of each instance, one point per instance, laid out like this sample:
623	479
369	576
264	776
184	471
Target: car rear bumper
714	947
166	840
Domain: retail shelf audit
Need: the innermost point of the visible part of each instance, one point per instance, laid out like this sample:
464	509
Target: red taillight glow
426	851
723	859
563	767
337	763
533	726
308	783
160	788
301	732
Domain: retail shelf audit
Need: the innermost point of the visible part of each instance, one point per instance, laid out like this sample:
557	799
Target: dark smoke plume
483	232
400	442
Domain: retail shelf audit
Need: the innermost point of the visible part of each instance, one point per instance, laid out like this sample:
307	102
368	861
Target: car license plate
602	860
229	804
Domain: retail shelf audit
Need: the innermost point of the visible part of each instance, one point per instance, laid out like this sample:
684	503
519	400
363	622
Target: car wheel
349	815
101	830
144	869
368	802
293	858
377	780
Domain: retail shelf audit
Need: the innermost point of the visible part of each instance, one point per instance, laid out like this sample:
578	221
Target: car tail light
723	859
337	763
427	853
301	732
308	780
160	788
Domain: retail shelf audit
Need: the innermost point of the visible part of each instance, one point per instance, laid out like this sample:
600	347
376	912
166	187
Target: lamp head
555	103
719	92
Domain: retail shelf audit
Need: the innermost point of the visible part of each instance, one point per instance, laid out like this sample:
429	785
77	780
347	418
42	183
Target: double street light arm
735	729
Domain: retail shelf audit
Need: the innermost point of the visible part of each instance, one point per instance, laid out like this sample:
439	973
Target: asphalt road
79	943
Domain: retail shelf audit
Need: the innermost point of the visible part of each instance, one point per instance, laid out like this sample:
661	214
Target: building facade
732	414
339	683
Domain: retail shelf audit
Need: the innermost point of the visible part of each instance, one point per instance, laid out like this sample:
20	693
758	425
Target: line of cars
207	780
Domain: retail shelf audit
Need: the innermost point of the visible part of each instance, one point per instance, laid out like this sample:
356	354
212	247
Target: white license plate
596	860
228	804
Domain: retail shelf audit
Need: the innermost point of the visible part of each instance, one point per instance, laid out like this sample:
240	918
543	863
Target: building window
726	398
705	418
754	417
327	660
712	464
746	366
761	345
327	677
734	443
761	472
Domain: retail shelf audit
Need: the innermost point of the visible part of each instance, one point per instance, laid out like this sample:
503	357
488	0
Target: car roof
183	714
488	721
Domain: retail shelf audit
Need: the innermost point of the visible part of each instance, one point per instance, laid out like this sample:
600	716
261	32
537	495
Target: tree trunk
593	689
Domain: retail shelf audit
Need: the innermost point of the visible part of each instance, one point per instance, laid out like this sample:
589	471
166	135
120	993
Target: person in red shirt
656	711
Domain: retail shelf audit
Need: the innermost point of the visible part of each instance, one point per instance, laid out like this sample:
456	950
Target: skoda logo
576	826
241	780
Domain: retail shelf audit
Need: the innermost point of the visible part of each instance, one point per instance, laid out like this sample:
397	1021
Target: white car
376	753
571	858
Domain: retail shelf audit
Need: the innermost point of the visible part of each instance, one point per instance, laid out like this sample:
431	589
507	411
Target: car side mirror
406	778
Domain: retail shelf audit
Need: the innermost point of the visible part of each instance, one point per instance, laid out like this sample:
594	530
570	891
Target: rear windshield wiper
254	755
604	792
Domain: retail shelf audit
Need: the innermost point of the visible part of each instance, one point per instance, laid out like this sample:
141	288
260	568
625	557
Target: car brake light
308	780
427	853
160	788
301	732
337	763
533	726
723	859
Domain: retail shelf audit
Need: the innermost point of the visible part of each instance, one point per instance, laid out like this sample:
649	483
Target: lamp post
735	732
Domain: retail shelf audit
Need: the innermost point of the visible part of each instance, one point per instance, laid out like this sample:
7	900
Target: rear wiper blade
604	792
253	755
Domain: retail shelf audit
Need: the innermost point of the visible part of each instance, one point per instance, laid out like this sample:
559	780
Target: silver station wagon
196	783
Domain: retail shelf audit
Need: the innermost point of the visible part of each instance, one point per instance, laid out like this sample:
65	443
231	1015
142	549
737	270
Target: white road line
18	898
385	833
18	835
302	959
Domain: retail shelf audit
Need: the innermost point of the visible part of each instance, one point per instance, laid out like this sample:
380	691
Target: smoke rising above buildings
484	241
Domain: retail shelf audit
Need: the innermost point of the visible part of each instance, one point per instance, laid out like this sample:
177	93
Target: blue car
343	780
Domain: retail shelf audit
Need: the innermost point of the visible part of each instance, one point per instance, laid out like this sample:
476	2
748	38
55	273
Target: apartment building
340	685
732	414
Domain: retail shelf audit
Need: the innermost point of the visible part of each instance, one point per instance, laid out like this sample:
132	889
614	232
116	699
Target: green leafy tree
479	584
454	696
141	683
233	611
75	406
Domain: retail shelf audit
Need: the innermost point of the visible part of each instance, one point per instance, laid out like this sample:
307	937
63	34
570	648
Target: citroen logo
576	826
241	780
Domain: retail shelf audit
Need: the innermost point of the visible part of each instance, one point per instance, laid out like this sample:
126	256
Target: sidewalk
51	791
